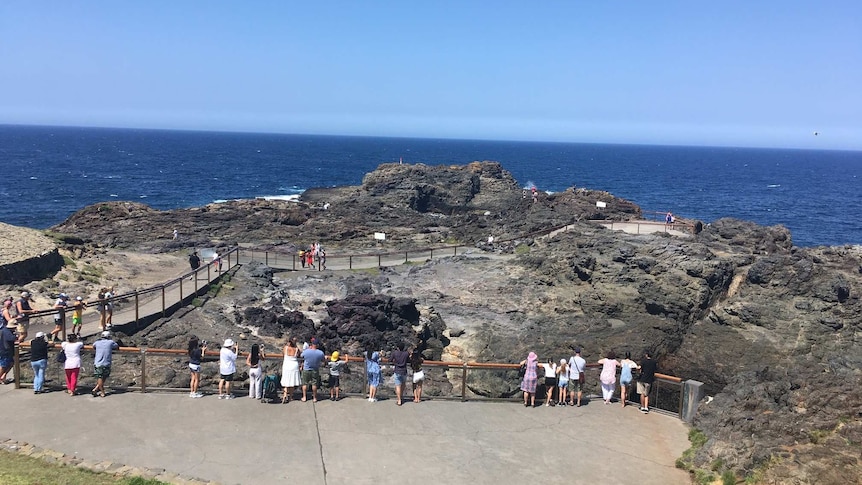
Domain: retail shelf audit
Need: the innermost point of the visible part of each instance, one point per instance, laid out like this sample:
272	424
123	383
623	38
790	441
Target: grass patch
522	249
368	271
728	478
18	469
197	302
67	261
92	273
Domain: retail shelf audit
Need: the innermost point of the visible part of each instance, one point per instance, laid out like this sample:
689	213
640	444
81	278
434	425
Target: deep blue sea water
51	172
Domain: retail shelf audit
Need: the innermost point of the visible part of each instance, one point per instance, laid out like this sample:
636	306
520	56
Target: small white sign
600	204
380	236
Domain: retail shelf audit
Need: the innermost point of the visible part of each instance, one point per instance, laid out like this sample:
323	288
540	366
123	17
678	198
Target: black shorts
551	381
334	381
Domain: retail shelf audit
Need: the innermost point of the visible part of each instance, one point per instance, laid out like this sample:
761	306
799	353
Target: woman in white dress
290	378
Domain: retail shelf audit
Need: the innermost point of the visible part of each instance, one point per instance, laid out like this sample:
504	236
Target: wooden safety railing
212	272
666	392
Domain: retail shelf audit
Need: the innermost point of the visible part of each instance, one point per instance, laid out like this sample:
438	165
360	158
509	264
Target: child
562	382
335	368
78	315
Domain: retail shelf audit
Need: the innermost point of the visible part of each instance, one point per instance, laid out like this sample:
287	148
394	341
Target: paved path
353	441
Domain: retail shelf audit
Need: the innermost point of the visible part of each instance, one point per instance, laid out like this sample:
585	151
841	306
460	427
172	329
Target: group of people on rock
315	252
568	378
301	368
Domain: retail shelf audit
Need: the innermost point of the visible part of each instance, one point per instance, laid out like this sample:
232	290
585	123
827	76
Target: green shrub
522	249
728	478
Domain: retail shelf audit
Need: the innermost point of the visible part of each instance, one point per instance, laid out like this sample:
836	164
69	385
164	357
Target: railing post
143	370
456	251
293	256
209	280
365	372
350	262
266	257
464	383
137	310
405	257
196	282
181	287
63	319
164	312
18	367
379	264
432	254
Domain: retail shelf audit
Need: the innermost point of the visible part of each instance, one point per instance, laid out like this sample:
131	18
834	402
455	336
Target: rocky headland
770	328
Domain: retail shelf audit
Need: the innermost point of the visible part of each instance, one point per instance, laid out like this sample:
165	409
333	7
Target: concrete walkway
353	441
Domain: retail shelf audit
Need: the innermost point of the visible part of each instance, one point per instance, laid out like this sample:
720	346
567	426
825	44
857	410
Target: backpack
271	385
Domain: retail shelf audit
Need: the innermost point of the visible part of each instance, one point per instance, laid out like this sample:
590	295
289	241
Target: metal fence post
181	287
379	264
456	251
266	257
137	310
432	254
405	257
350	262
293	256
63	319
165	313
143	370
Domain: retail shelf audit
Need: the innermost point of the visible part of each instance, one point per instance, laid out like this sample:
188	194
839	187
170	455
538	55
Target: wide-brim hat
228	343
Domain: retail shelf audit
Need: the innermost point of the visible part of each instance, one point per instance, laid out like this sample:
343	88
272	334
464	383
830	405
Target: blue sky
734	73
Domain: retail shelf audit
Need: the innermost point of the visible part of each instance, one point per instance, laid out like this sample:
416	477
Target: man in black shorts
647	377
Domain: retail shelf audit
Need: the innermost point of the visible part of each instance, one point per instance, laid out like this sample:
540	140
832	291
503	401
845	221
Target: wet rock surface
771	329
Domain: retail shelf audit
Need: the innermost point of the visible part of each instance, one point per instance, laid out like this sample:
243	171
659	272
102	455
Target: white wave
289	198
113	195
772	186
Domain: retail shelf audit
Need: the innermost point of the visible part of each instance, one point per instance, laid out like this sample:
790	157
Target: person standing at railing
626	376
647	377
60	318
194	260
255	372
226	368
196	352
7	352
24	310
290	377
530	380
562	382
72	365
78	315
550	369
102	308
104	348
577	376
372	369
39	360
312	359
416	361
109	308
399	359
609	376
336	367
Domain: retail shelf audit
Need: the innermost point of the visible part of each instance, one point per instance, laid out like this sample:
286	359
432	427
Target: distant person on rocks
416	361
102	309
550	369
255	372
372	369
78	315
312	359
336	367
196	352
24	310
72	366
577	376
609	376
226	368
530	380
176	234
104	348
217	261
322	259
194	261
627	365
60	318
302	258
647	377
562	382
399	359
668	219
290	377
7	352
39	360
535	195
309	259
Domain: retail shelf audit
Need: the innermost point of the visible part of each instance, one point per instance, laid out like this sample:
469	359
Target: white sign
600	204
380	236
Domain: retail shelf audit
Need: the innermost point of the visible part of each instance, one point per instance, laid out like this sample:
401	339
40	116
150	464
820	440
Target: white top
576	364
73	354
550	370
227	361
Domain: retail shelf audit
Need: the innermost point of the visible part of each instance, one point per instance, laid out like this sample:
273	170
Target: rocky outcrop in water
771	329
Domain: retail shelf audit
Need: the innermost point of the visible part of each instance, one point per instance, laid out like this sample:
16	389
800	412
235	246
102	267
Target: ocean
51	172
